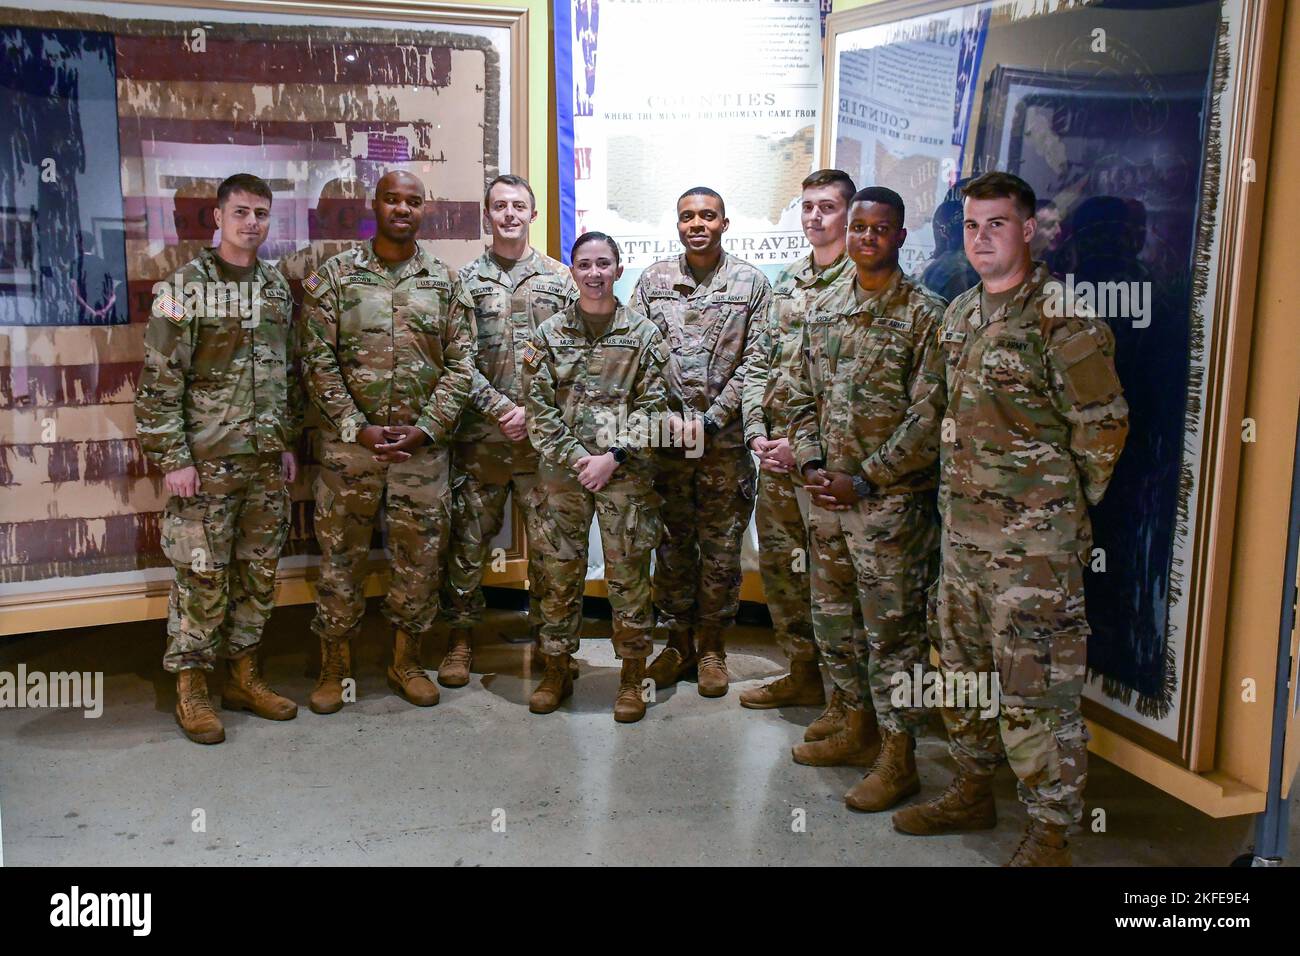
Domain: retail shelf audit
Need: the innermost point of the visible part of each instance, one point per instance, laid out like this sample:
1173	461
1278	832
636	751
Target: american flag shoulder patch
531	355
167	306
313	283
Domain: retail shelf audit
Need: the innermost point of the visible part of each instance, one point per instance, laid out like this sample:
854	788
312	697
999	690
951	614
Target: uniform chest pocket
886	361
1010	364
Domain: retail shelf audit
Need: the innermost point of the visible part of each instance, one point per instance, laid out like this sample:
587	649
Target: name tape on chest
1015	345
274	293
622	341
731	298
359	278
820	318
951	337
441	285
481	290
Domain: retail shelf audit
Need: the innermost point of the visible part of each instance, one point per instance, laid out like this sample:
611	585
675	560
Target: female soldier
593	386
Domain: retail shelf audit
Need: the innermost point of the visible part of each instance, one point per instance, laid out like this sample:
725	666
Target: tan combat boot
406	676
629	706
675	661
831	719
855	744
540	655
967	804
246	690
454	669
193	710
711	669
1044	844
556	685
335	667
892	777
802	687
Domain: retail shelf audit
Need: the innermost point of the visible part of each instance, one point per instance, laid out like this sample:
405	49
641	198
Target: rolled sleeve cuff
877	472
498	406
806	452
175	460
755	430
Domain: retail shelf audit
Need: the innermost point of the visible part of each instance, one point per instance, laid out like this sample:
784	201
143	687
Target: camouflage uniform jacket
714	333
584	396
866	387
377	352
506	309
765	392
217	377
1039	422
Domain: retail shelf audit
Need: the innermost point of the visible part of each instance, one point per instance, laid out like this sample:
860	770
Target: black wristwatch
710	426
620	454
861	486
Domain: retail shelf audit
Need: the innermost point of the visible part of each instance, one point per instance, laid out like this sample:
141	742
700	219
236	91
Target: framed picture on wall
129	116
1133	123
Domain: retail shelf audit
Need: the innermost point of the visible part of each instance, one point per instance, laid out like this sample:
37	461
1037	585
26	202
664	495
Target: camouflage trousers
871	570
1021	618
627	510
484	478
225	543
416	495
783	559
707	503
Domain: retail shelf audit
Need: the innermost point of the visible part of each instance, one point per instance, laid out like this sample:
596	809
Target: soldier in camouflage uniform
594	383
782	510
864	425
1034	422
509	291
710	308
218	411
388	365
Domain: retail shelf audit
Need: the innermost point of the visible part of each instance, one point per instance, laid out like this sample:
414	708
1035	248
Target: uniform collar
844	299
618	323
806	274
716	280
1039	275
530	265
366	258
263	274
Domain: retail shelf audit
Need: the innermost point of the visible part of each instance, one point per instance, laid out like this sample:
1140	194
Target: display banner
903	113
669	94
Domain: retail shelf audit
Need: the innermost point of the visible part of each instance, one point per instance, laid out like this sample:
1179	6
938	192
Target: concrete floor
382	782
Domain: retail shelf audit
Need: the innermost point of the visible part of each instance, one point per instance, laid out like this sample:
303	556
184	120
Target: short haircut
886	197
243	182
832	177
509	179
999	185
594	237
705	191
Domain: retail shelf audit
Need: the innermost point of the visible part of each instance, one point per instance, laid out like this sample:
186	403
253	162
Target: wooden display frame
1191	767
145	597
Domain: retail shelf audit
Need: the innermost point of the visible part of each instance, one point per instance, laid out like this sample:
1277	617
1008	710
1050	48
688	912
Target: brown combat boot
1044	844
711	669
193	709
454	669
892	777
967	804
540	655
246	690
802	687
335	667
406	676
556	685
675	661
855	744
629	706
831	719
